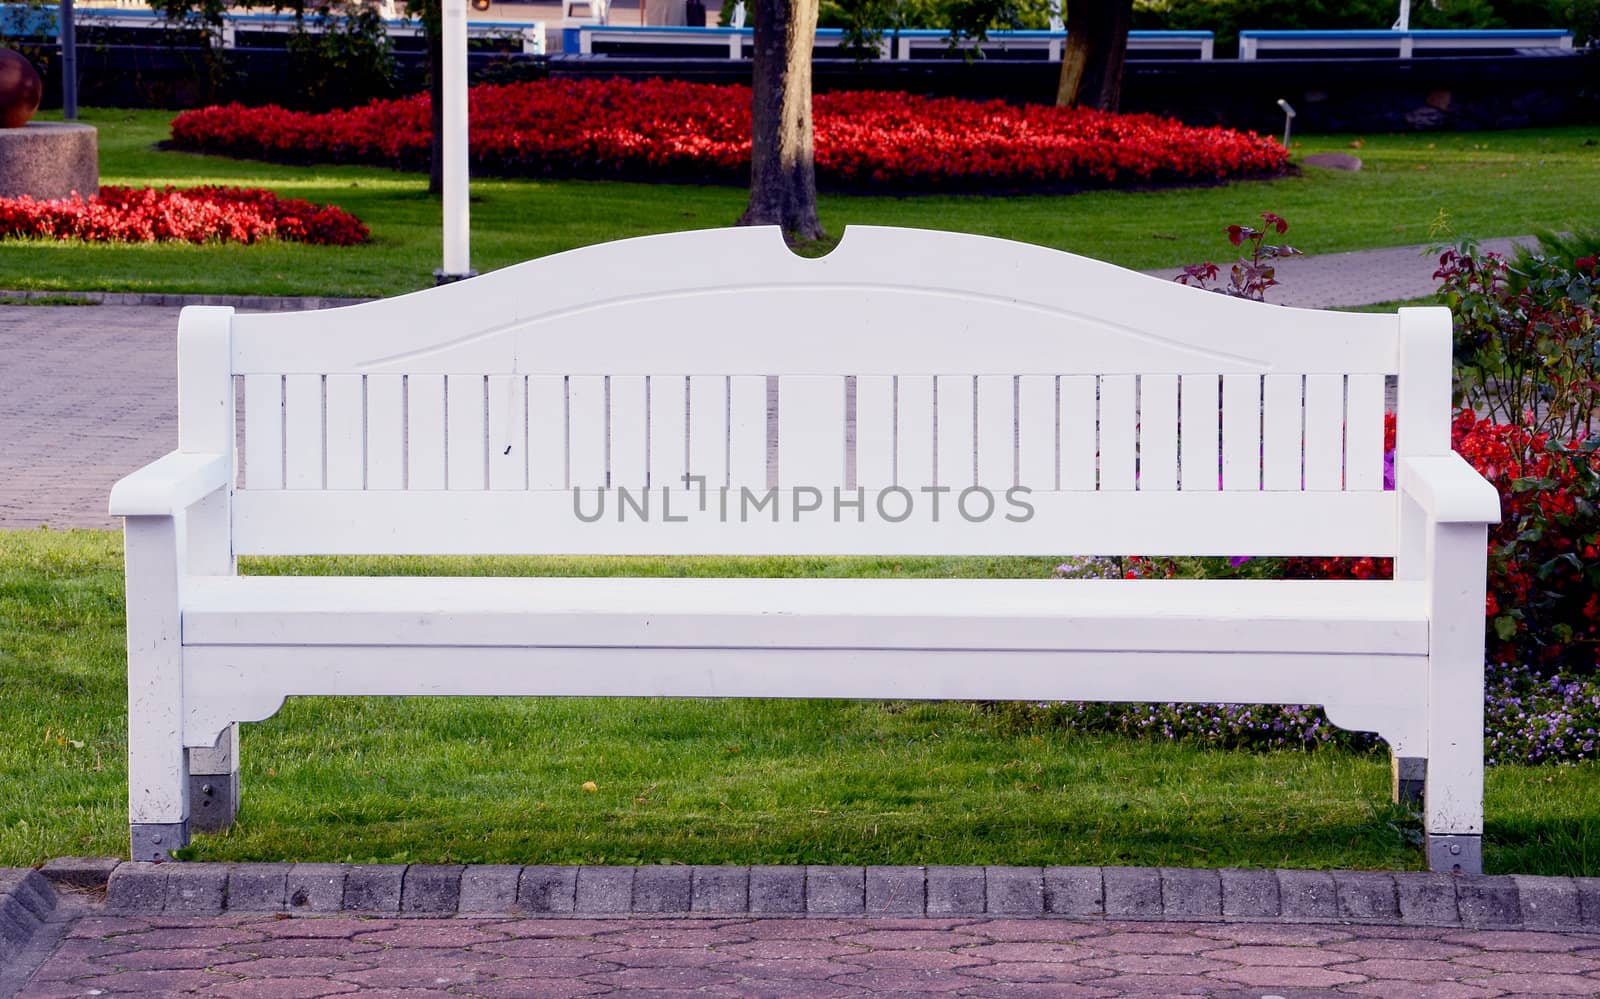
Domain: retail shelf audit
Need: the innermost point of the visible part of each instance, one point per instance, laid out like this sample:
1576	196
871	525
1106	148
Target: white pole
1404	23
457	254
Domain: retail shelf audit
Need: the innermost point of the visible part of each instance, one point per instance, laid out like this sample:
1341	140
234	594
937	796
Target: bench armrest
1449	490
169	484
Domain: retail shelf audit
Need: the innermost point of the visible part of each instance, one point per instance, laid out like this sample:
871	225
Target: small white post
457	224
1403	23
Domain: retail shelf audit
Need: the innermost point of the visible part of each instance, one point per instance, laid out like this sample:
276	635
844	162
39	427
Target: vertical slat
914	432
1363	433
875	431
508	432
425	431
1158	432
466	444
669	445
1241	432
1199	456
302	431
956	447
997	424
346	461
811	431
629	443
1118	419
747	432
1324	431
263	431
547	432
1036	432
1280	433
586	431
386	423
709	429
1077	432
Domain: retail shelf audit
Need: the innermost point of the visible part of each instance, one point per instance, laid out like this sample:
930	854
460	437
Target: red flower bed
190	215
668	130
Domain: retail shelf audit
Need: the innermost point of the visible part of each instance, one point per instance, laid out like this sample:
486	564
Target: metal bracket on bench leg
156	840
1453	853
213	801
214	782
1410	775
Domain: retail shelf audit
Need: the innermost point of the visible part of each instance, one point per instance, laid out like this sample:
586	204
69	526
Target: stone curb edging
253	303
26	901
1121	893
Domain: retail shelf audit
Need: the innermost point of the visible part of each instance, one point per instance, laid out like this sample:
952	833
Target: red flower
672	130
191	215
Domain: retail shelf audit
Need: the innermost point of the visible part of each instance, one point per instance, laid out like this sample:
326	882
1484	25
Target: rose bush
673	130
190	215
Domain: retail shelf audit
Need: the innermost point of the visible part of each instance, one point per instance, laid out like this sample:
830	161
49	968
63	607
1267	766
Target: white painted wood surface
1079	408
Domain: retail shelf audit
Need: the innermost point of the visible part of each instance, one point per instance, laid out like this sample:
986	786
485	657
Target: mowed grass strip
1487	184
692	781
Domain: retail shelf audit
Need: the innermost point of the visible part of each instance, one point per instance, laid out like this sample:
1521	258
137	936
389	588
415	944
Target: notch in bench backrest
1139	412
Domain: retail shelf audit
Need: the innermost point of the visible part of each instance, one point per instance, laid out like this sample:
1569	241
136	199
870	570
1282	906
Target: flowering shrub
1527	339
673	130
191	215
1544	556
1216	726
1531	718
1252	275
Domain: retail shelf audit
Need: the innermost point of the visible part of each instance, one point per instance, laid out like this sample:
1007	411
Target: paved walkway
1361	277
87	926
87	395
498	958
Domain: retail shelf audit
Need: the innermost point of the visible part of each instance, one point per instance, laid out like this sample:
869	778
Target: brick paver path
795	958
87	395
1360	277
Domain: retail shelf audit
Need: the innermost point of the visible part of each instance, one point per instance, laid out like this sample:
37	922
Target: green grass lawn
1487	183
501	779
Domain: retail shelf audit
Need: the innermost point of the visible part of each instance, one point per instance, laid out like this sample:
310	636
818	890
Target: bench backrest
1135	415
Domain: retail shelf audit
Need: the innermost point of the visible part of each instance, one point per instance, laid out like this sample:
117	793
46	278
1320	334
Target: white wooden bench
964	396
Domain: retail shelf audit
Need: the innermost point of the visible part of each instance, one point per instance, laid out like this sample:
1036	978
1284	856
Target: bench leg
1453	797
214	783
1409	775
158	779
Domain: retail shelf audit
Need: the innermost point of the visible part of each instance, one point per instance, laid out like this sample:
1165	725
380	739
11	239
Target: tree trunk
1097	44
436	98
783	176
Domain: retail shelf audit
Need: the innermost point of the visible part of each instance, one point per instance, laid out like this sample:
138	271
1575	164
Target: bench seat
1329	617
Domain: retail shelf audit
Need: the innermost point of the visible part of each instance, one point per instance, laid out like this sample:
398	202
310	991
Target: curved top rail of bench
885	301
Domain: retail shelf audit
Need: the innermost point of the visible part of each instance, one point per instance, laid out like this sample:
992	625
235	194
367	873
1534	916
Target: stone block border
26	901
1116	893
